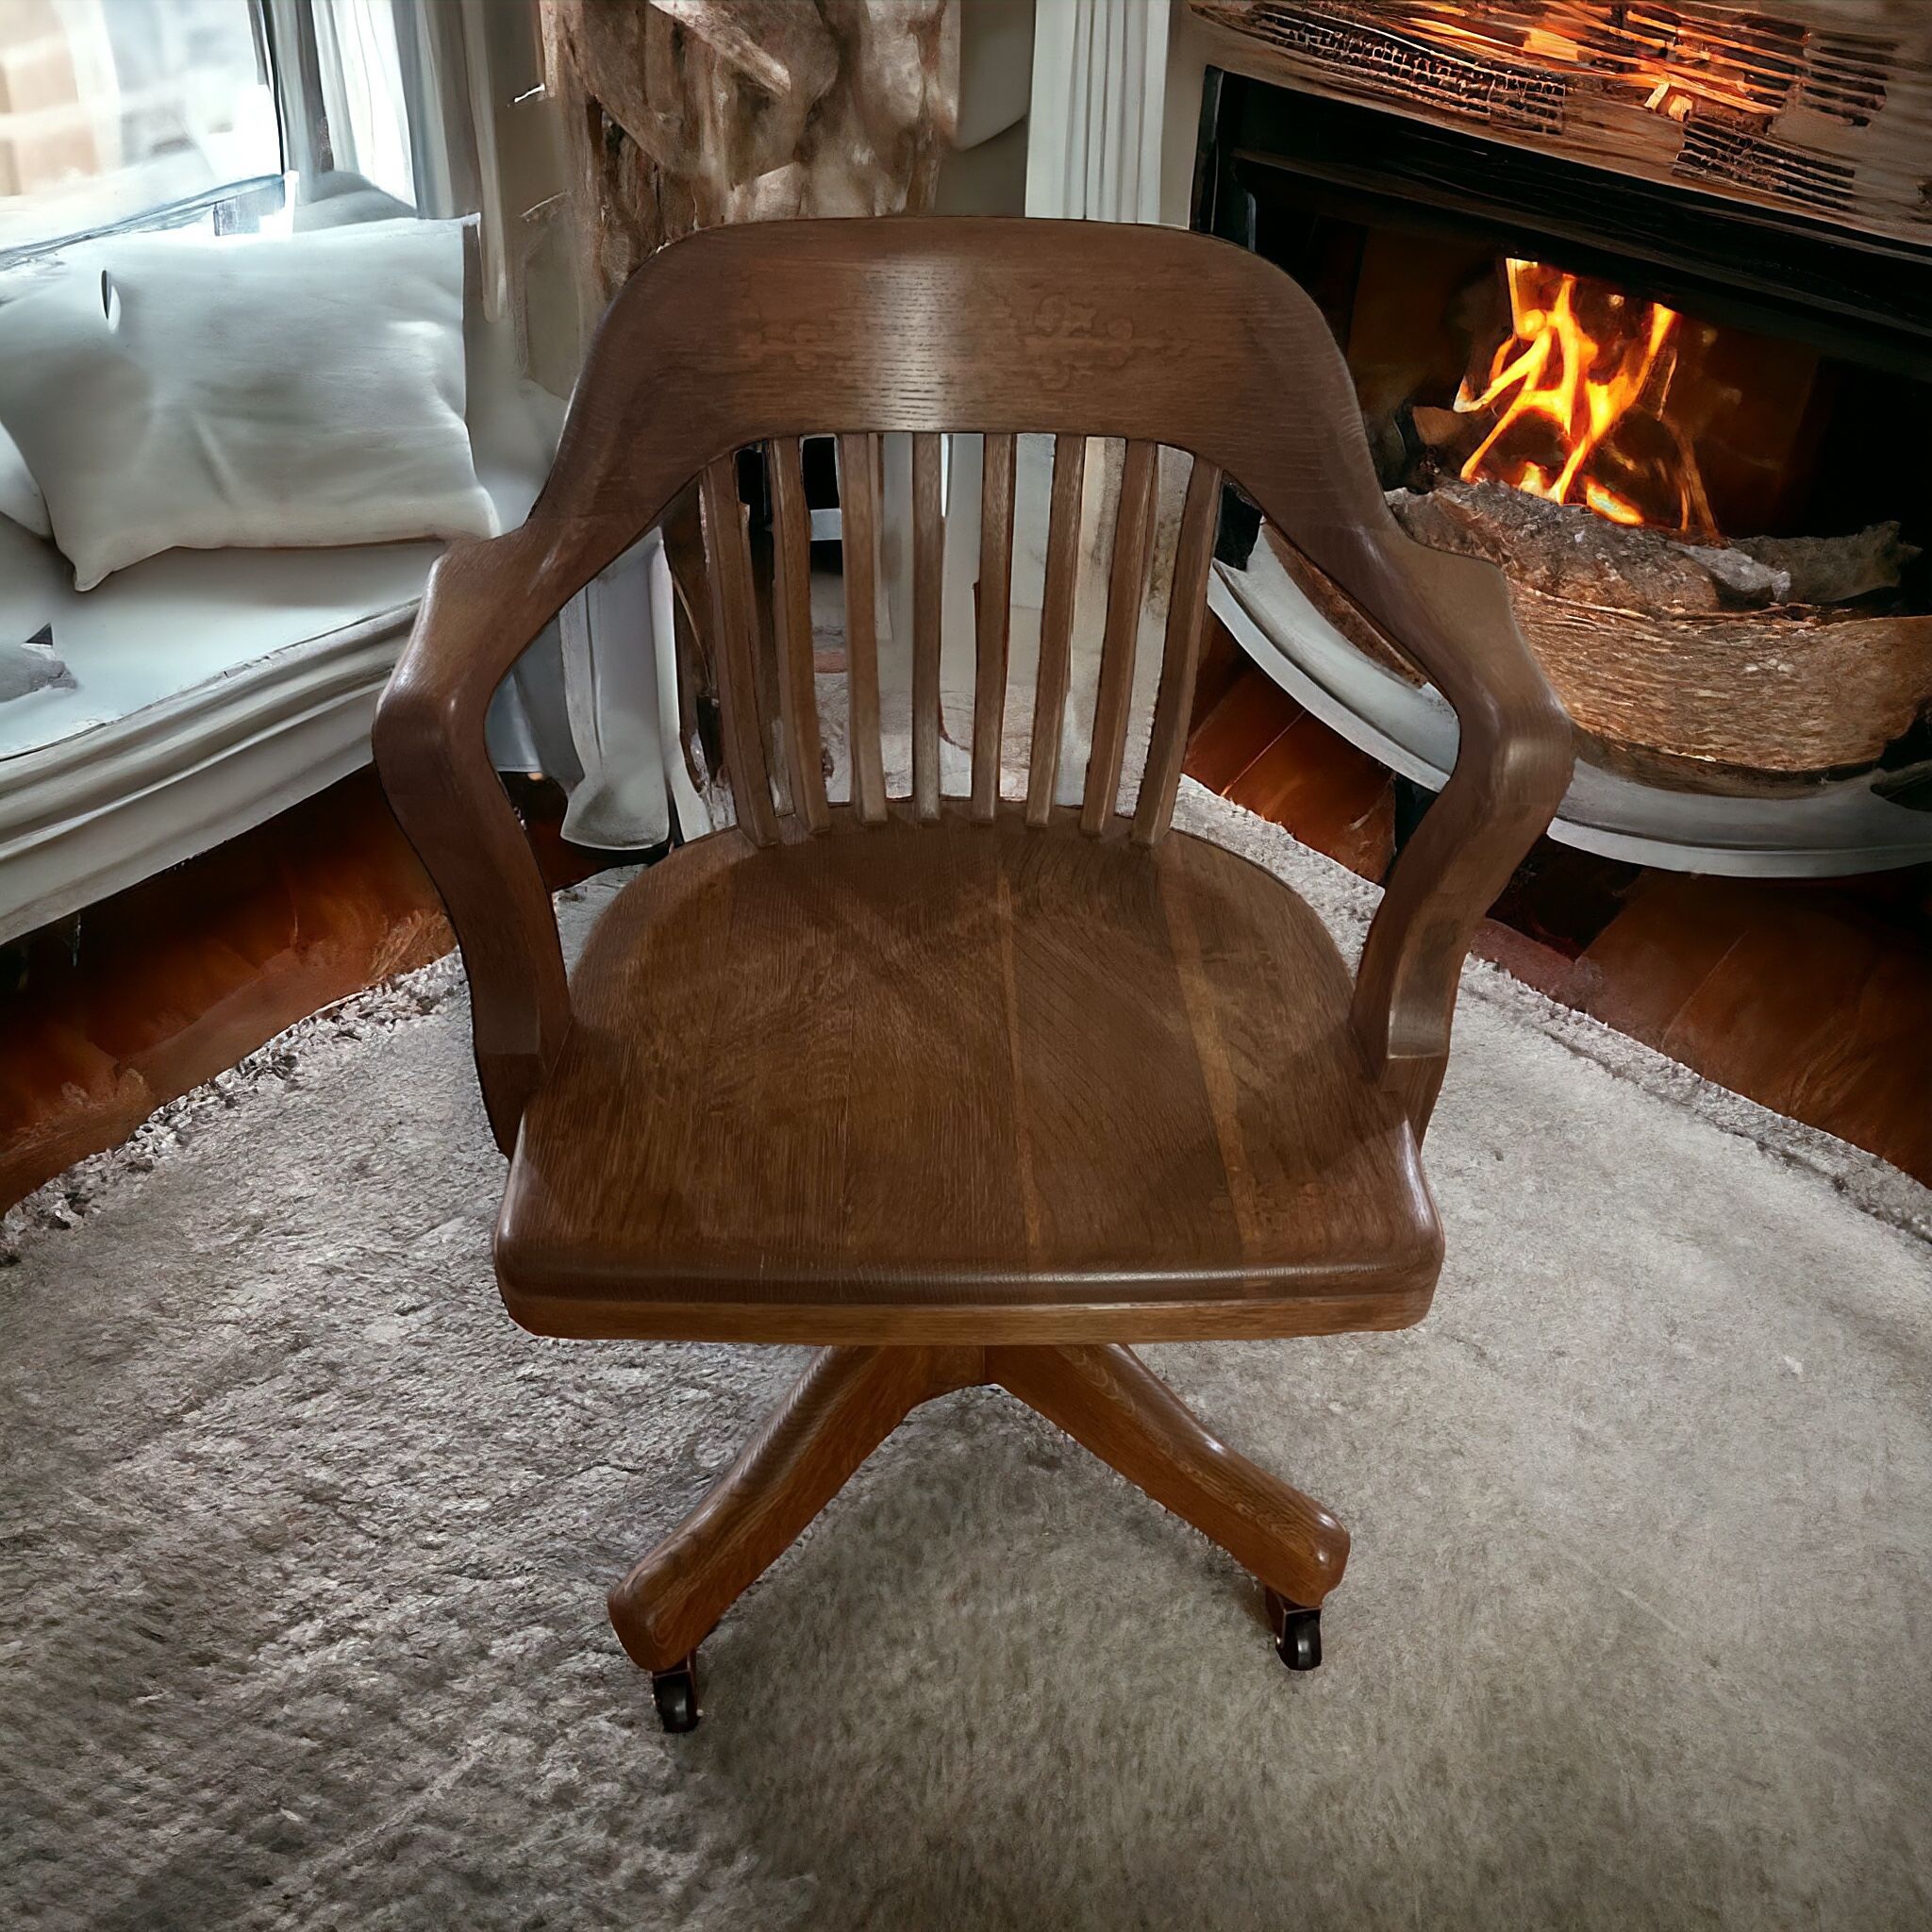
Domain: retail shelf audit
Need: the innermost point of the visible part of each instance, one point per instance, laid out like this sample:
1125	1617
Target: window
112	110
360	68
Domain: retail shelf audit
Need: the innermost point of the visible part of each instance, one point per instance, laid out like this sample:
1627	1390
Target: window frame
285	39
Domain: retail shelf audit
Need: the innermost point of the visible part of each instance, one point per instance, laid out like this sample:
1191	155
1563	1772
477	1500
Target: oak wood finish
842	1408
1178	338
994	621
1056	624
928	570
983	1084
945	1084
1110	1402
847	1401
1187	610
858	468
792	607
1133	547
734	608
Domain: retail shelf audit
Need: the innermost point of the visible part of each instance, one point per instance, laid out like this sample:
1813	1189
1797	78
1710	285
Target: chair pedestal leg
849	1400
1108	1400
842	1408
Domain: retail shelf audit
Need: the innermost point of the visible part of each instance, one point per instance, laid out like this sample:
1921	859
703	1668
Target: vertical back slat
859	524
1133	544
728	551
928	573
1056	624
995	620
1180	657
792	607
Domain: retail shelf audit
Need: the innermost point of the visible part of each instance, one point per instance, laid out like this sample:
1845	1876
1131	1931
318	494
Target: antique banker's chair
958	1090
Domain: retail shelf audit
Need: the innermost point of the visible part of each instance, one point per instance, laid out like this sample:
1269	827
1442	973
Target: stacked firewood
1776	655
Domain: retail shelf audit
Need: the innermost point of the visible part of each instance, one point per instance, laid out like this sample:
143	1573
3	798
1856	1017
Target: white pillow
248	390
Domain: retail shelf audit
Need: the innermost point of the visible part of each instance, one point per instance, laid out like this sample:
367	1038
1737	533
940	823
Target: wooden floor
1809	996
106	1015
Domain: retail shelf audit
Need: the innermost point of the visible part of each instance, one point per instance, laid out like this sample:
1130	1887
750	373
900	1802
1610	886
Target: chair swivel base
849	1400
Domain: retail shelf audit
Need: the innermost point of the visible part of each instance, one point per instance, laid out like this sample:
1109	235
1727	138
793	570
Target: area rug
304	1548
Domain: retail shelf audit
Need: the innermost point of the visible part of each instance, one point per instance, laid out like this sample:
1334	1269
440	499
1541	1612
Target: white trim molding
1098	109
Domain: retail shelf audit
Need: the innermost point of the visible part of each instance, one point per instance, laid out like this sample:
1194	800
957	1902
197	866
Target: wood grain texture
858	468
842	1408
1109	1401
994	621
848	1400
791	606
967	1086
1180	657
1055	625
928	577
1127	589
988	1083
734	620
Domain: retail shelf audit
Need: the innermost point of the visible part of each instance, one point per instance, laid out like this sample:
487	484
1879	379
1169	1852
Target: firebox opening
1694	447
1478	364
1590	399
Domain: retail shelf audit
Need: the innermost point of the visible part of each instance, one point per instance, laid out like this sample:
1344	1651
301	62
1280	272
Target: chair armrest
1513	767
434	765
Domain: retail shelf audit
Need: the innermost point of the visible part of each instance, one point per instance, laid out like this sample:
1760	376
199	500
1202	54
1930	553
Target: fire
1582	391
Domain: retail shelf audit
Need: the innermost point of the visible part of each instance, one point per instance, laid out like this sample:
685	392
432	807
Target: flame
1581	401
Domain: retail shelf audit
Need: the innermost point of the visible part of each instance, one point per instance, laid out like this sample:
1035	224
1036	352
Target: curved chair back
764	333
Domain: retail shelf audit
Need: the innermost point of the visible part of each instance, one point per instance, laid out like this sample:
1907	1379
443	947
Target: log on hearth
1685	654
1806	690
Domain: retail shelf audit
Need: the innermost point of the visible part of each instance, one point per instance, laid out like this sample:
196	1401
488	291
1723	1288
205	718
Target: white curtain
413	97
360	65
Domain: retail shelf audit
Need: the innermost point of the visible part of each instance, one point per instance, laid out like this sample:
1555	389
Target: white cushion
302	390
20	496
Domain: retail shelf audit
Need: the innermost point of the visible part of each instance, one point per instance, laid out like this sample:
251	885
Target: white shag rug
302	1550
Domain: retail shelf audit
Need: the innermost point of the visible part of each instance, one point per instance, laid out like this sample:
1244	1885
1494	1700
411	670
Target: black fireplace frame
1863	298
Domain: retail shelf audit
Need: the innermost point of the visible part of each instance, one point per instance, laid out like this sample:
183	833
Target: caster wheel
675	1694
1297	1632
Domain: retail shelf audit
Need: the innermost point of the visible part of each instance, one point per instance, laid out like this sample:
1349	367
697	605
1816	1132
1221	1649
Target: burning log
1582	386
1569	553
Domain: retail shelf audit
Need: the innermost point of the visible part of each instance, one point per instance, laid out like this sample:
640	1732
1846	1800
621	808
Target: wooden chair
958	1090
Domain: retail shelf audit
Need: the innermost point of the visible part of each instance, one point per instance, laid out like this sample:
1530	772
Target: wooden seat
963	1083
965	1091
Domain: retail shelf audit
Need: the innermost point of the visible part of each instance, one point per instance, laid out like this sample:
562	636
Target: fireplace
1680	391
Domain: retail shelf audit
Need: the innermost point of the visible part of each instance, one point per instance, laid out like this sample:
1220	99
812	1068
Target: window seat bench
212	687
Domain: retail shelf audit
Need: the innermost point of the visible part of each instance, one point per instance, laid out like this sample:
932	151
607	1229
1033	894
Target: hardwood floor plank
163	986
1253	714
